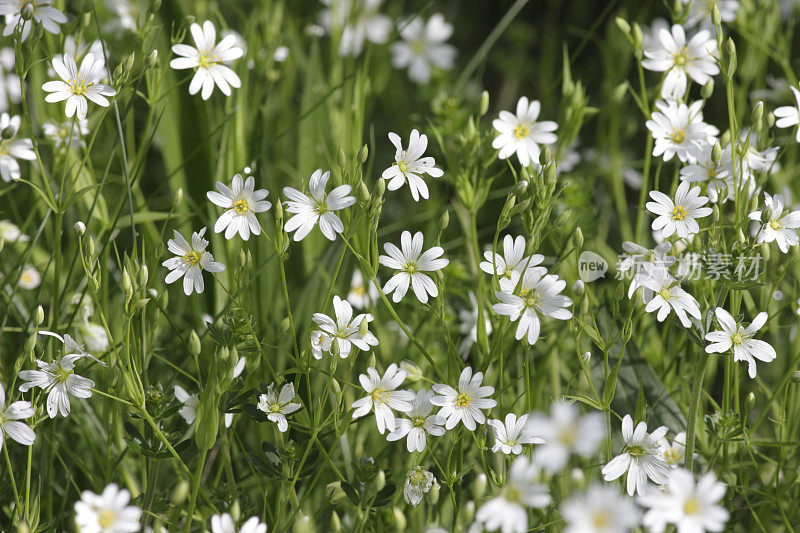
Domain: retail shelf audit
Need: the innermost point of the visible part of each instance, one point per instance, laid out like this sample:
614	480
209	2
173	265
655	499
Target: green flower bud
30	344
444	220
432	497
796	377
623	26
732	61
708	89
363	154
38	316
127	286
478	486
236	511
341	160
716	153
180	492
716	16
303	524
380	478
399	519
194	344
177	197
619	92
483	105
577	238
80	228
335	523
9	131
363	191
152	59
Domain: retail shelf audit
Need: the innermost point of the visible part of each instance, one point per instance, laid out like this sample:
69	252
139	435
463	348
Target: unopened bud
716	153
380	480
444	220
341	160
8	132
194	343
623	26
708	89
79	227
715	213
478	485
363	191
520	188
749	401
399	519
732	61
433	495
303	524
180	493
578	287
236	511
796	377
758	113
638	37
483	106
144	275
127	286
176	199
151	60
363	154
716	16
38	316
279	212
335	522
577	238
619	92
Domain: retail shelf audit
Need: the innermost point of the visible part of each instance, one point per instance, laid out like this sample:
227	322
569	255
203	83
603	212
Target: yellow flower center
635	451
678	136
672	455
664	293
275	408
681	58
26	278
463	400
380	396
691	506
321	207
79	86
679	213
360	290
521	131
62	375
4	147
192	258
512	493
106	518
774	224
402	166
736	338
601	519
410	267
207	59
533	300
418	421
241	207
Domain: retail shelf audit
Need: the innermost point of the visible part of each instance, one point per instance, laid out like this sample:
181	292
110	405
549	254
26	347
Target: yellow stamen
241	207
106	518
521	131
463	400
679	213
678	136
691	506
192	258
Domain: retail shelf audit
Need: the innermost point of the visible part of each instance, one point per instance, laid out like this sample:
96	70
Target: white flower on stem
778	227
93	335
509	436
10	425
242	203
318	208
423	46
190	403
223	523
69	133
565	432
419	424
702	9
639	259
538	294
77	86
677	127
346	330
360	296
237	371
678	216
382	396
410	165
641	459
209	59
673	452
358	21
37	12
601	509
468	325
680	59
278	406
10	232
320	342
691	507
508	511
108	512
717	176
740	341
190	262
522	134
58	378
12	149
667	295
512	260
418	483
411	264
789	116
465	402
29	278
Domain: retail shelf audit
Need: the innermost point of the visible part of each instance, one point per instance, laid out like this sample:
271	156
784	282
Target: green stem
195	488
694	407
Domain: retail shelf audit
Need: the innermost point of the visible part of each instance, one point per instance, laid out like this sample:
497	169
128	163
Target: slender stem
13	482
694	407
195	488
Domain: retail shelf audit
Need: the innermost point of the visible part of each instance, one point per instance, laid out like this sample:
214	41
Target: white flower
601	509
9	81
667	295
318	208
190	262
346	331
789	116
679	59
320	342
10	232
93	335
29	278
739	339
410	265
242	203
676	128
223	523
68	133
565	432
10	425
522	134
512	260
691	507
701	11
382	396
78	86
468	326
58	378
418	482
423	46
538	294
778	226
509	436
39	11
209	60
508	511
641	458
359	296
419	423
108	512
277	407
190	403
673	453
640	259
12	149
464	403
410	165
720	183
358	20
678	216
